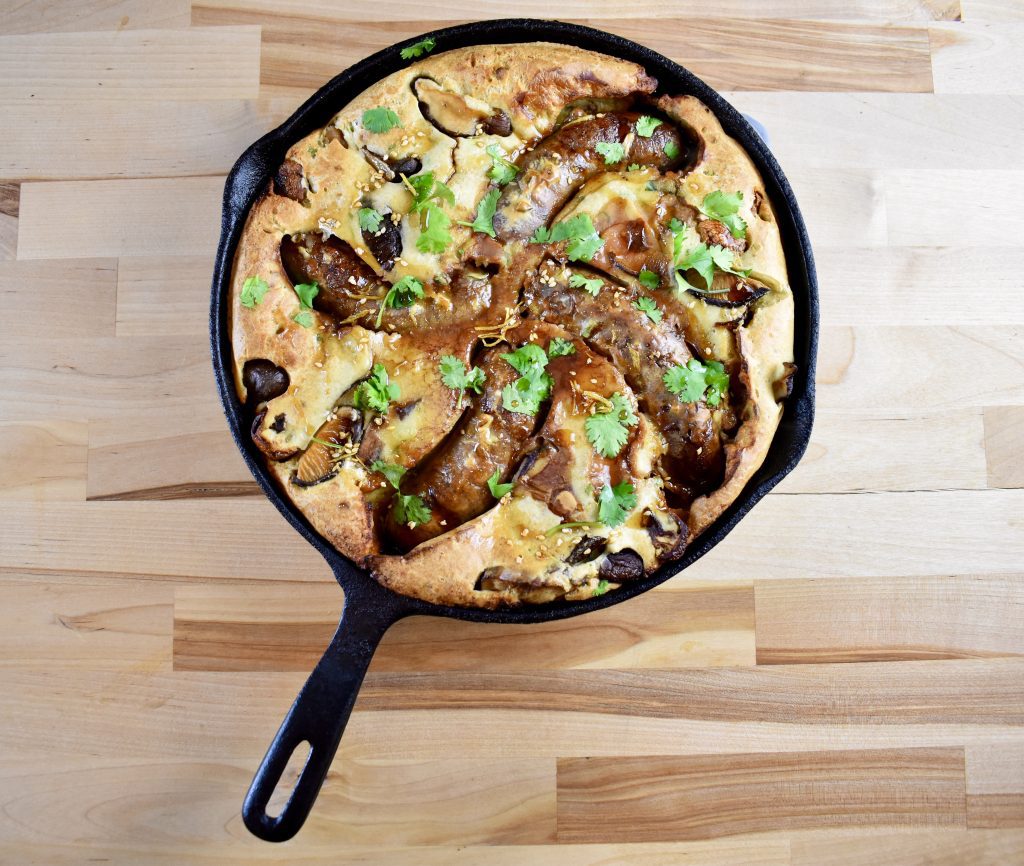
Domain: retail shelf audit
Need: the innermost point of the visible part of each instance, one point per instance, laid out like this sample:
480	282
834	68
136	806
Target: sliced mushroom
587	549
263	381
406	165
730	290
452	113
385	243
319	461
623	566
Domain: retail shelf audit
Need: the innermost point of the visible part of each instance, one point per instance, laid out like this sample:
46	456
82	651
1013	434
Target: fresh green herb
380	120
612	151
390	471
602	587
541	236
648	306
671	149
497	489
502	171
648	278
608	431
534	385
591	286
723	206
705	260
484	221
434	235
529	360
418	49
408	508
411	509
306	293
376	391
312	150
579	232
558	347
403	293
615	503
694	381
455	376
426	189
645	126
633	166
304	318
369	219
253	290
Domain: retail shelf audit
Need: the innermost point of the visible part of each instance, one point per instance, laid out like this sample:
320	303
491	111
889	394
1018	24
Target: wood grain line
882	619
284	628
896	693
688	797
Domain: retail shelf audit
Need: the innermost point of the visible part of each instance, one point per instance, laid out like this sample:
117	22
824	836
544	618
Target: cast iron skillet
322	707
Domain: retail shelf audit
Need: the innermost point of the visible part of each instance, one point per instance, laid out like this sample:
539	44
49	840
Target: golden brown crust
451	107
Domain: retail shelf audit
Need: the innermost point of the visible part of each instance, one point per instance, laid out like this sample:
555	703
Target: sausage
643	351
453	481
562	162
342	277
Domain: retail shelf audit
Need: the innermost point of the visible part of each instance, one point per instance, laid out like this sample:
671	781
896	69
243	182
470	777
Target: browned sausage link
643	351
288	181
342	277
567	158
453	482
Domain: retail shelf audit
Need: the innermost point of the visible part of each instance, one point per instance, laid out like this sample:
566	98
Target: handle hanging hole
289	778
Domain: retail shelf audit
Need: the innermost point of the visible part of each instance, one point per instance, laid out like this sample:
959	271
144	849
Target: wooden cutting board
840	682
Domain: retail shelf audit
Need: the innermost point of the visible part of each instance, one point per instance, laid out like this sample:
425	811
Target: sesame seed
519	559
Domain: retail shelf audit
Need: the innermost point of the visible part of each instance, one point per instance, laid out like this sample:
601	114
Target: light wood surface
840	682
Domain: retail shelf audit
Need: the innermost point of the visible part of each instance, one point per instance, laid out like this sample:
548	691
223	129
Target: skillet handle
319	715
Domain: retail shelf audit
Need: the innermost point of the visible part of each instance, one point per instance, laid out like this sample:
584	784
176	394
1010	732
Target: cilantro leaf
679	232
633	166
369	219
723	206
645	126
434	235
525	394
608	431
700	259
390	471
403	293
497	489
418	49
529	360
484	221
455	376
602	587
253	290
541	236
306	293
380	120
671	149
376	391
647	305
648	278
304	318
615	503
591	287
694	380
582	237
502	171
411	509
534	385
558	347
426	188
612	152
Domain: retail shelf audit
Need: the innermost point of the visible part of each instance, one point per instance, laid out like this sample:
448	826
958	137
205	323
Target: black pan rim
251	172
